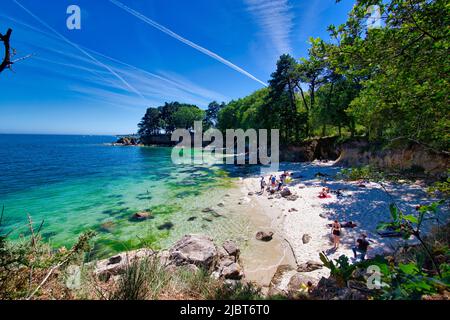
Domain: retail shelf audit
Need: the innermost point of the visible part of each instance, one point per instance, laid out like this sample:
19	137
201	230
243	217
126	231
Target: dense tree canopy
169	117
384	81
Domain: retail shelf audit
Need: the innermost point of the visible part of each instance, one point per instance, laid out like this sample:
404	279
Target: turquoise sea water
75	183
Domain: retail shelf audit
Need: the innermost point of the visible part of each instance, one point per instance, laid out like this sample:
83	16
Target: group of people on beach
362	243
274	184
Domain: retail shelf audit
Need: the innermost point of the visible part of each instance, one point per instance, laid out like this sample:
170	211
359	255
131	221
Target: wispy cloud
128	85
276	20
184	40
90	81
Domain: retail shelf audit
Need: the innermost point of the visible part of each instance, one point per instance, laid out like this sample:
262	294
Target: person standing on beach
336	232
263	184
361	247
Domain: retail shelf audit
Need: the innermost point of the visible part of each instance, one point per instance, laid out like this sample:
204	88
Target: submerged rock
139	216
166	226
107	226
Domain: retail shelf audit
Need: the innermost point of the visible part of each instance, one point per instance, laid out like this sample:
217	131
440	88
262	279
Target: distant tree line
165	119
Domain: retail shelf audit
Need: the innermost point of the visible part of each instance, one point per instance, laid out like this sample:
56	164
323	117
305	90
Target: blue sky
100	79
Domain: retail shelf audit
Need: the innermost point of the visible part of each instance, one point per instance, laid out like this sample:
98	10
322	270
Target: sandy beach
290	220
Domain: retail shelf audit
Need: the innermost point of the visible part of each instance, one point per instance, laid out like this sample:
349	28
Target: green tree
402	68
212	113
185	116
283	84
150	123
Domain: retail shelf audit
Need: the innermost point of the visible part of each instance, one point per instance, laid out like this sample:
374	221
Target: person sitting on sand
324	193
361	247
336	232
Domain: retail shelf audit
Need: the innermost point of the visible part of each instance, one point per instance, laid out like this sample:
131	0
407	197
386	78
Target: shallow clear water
74	183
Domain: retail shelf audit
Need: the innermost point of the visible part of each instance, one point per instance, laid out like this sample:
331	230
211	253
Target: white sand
366	207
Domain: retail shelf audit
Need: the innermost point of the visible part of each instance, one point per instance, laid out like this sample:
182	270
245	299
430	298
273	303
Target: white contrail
129	86
184	40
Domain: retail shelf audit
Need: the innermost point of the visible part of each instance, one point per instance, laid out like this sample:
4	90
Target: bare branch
6	63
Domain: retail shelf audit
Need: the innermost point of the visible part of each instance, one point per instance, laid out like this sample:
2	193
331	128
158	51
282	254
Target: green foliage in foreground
31	269
441	187
412	272
30	264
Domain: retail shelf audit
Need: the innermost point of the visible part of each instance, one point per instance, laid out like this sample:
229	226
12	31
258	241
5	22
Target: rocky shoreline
193	252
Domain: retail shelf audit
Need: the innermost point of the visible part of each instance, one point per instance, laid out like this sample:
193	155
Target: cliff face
320	149
358	152
409	156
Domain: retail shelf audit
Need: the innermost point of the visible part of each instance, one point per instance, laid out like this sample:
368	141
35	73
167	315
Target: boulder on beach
292	197
117	264
306	238
309	266
231	248
228	268
264	235
285	192
194	249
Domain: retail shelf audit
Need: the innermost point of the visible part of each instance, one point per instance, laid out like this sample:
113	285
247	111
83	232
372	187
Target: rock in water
139	216
306	238
264	236
194	249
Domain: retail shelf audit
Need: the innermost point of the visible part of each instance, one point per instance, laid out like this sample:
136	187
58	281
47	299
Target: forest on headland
382	76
